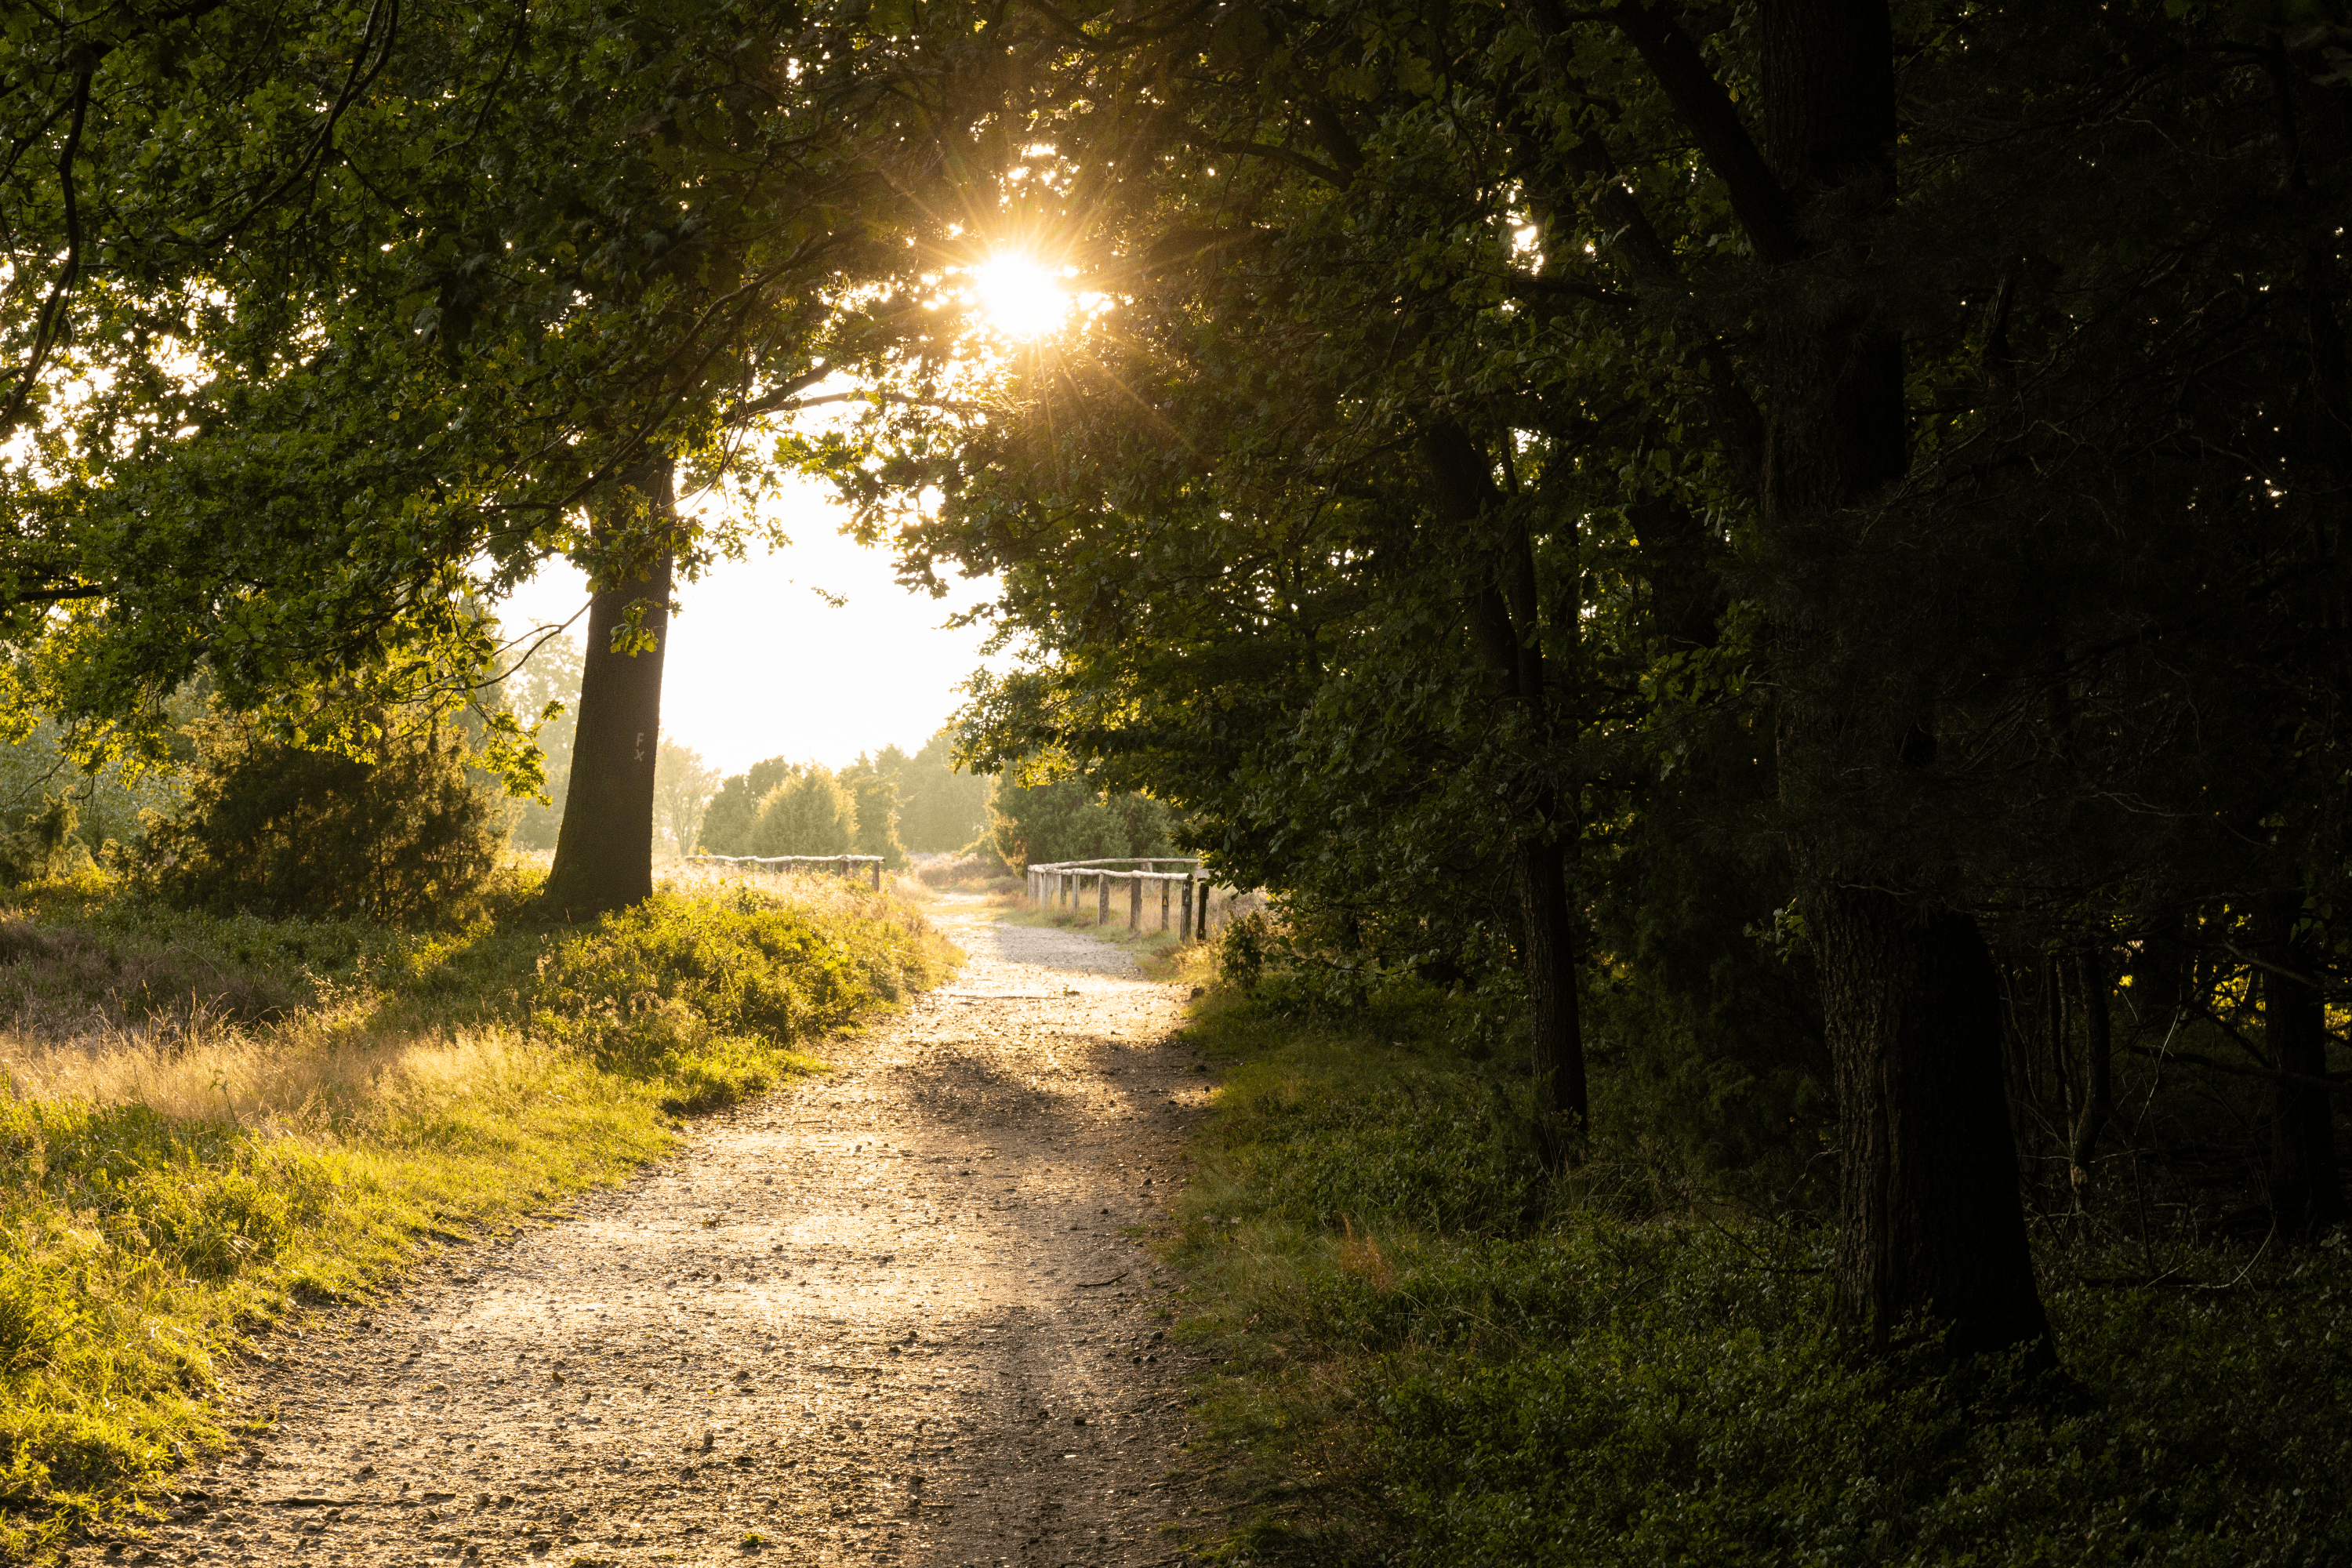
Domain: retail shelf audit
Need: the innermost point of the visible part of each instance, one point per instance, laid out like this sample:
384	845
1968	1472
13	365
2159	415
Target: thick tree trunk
1933	1223
2307	1195
1930	1224
604	852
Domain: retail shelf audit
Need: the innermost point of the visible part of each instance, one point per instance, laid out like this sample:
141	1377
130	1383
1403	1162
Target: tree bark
1931	1225
1556	1027
604	852
1504	619
2307	1195
2099	1079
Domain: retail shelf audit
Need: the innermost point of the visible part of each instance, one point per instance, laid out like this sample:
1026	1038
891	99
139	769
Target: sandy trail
895	1314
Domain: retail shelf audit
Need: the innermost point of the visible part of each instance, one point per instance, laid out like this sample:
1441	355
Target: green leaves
341	363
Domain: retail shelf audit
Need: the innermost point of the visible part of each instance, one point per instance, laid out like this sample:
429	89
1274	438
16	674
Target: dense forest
1780	568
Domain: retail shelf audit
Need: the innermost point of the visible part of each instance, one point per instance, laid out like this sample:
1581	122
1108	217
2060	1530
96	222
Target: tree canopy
1831	506
1622	479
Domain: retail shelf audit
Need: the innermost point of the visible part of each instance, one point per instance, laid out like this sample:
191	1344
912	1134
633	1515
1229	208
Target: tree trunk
1929	1224
1548	957
2098	1081
2307	1197
1506	631
605	850
1932	1222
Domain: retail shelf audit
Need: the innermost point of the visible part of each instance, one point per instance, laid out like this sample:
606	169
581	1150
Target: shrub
734	811
1242	949
698	992
277	830
41	845
808	813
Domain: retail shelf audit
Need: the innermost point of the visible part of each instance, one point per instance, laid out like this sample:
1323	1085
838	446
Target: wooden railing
845	863
1062	885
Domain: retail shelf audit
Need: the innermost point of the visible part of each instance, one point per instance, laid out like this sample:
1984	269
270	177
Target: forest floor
900	1312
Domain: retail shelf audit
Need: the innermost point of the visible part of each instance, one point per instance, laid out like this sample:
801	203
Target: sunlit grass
207	1121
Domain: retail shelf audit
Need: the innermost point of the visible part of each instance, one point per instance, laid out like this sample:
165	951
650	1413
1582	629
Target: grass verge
1432	1354
208	1121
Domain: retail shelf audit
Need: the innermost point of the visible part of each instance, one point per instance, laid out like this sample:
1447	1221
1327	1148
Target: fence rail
1062	884
845	863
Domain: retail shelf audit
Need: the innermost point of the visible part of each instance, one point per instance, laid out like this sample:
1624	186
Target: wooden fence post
1204	908
878	875
1184	931
1164	903
1135	903
1102	898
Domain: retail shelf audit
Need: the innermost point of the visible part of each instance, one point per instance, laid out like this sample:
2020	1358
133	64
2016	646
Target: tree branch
48	327
354	83
1708	112
1299	161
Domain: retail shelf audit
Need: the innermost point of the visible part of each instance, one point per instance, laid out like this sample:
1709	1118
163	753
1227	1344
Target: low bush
1435	1354
277	830
207	1119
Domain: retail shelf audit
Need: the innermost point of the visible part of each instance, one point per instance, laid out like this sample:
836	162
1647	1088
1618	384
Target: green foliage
41	845
683	785
809	814
1242	949
326	350
109	800
1070	819
550	675
1420	510
944	811
734	812
1442	1357
281	829
873	786
424	1084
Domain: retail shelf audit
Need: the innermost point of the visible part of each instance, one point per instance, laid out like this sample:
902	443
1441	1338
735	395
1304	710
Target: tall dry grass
321	1071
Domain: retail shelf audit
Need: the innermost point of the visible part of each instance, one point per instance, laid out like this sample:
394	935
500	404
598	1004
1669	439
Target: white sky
759	666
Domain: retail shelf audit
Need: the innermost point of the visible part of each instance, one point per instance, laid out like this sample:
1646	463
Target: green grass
1433	1355
212	1122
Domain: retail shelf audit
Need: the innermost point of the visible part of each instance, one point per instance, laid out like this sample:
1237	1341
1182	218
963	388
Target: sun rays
1020	298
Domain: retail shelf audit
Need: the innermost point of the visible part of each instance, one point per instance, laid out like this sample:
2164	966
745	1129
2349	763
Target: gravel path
898	1313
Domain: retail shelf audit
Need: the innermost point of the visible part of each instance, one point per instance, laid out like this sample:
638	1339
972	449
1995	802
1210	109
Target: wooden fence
1062	885
845	864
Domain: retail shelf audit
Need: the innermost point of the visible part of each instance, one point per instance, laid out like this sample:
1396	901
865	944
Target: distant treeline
886	803
54	817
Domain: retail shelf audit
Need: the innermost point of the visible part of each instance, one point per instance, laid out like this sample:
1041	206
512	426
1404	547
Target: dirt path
892	1315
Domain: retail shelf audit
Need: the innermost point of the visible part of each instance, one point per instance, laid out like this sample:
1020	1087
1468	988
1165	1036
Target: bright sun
1022	298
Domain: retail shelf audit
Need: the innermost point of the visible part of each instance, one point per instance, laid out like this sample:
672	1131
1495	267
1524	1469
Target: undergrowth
210	1120
1434	1354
